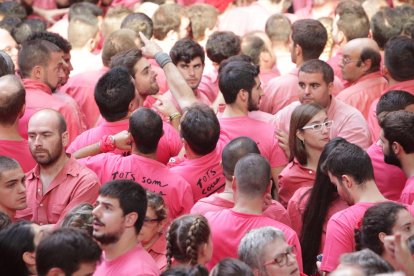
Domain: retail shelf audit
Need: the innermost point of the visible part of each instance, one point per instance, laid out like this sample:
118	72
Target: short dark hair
385	24
374	56
14	9
67	249
398	127
54	38
132	198
24	29
146	128
311	36
138	22
399	58
353	21
127	59
12	99
222	45
200	128
5	221
113	93
84	9
6	64
118	41
278	28
234	76
394	100
231	267
7	164
252	46
369	262
186	50
349	159
318	66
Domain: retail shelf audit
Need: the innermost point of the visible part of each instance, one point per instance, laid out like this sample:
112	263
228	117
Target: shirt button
41	204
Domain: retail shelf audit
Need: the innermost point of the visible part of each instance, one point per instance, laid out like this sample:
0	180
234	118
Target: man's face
350	64
8	45
343	192
254	97
67	67
85	269
53	72
12	190
313	89
145	78
45	142
389	155
275	252
192	71
108	220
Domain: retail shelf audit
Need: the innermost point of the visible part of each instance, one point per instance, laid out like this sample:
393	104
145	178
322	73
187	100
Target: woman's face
404	224
315	139
151	229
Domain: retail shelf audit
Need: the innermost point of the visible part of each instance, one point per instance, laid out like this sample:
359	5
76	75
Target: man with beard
397	140
57	183
118	217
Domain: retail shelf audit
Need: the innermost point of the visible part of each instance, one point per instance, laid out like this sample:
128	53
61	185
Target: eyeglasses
318	127
282	258
347	60
151	220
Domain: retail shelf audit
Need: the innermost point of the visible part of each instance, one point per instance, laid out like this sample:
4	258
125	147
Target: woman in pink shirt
308	134
152	232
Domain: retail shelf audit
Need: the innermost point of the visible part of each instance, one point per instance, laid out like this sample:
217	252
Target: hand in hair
150	48
399	251
123	140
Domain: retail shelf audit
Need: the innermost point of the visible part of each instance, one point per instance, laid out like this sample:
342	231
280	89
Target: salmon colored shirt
73	185
407	195
158	252
19	151
84	61
363	92
209	84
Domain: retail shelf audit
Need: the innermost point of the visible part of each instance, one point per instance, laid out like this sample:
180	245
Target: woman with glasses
152	232
308	134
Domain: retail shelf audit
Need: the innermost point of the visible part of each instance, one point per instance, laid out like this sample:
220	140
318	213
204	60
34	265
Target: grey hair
252	246
368	261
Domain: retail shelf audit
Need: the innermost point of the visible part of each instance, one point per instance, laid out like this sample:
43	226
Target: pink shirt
209	85
261	133
228	227
293	177
18	150
158	252
45	4
266	76
151	174
61	27
363	92
82	87
81	124
168	146
84	61
374	127
407	195
297	205
39	96
348	122
204	174
214	203
340	234
136	261
256	115
390	179
73	185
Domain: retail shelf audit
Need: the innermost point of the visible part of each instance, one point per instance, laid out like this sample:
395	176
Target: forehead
350	49
311	77
194	61
276	247
12	174
56	57
43	121
108	200
141	65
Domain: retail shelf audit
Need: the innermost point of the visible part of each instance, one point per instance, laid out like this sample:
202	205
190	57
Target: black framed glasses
151	219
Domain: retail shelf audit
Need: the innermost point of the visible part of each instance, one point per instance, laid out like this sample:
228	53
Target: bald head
361	43
50	118
12	99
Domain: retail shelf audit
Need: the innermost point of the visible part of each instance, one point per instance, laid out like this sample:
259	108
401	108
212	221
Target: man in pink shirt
57	183
232	152
398	146
307	41
12	187
117	219
145	128
360	66
251	184
350	170
117	100
399	72
42	68
12	101
315	86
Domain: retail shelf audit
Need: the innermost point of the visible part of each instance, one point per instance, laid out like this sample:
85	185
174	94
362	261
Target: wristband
107	143
175	115
162	59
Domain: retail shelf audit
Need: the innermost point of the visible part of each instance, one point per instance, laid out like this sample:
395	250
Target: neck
368	193
228	191
127	242
248	205
391	81
52	170
146	155
234	110
407	164
313	158
8	212
280	47
10	132
149	244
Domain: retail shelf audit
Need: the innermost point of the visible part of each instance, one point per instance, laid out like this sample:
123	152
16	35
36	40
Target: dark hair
35	53
378	218
6	64
54	38
398	127
222	45
138	22
7	164
167	18
353	21
399	58
300	117
118	41
13	9
9	22
182	270
349	159
322	195
385	24
235	76
369	262
127	59
184	237
113	93
66	248
131	195
79	217
406	13
311	36
186	50
318	66
84	9
146	128
81	30
5	221
231	267
16	239
278	28
12	99
234	151
157	203
24	29
200	128
374	56
394	100
253	46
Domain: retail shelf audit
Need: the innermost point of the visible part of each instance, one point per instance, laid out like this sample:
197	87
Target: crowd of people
204	137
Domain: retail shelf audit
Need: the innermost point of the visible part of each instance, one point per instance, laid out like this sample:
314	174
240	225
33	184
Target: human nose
22	187
290	258
191	71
